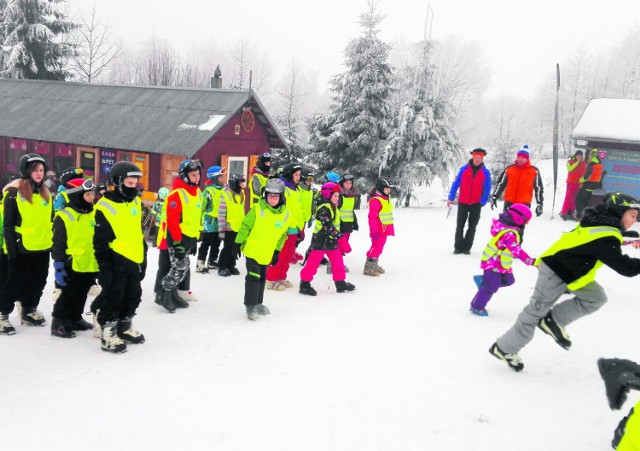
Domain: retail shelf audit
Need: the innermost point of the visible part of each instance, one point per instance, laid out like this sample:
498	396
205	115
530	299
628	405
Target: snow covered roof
155	119
614	120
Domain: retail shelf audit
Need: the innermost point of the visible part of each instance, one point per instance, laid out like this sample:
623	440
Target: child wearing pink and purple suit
498	255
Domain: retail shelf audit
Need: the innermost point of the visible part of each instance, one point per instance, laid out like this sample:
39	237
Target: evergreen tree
422	144
32	34
350	137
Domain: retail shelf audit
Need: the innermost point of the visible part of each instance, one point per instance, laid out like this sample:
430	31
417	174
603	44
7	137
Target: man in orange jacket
519	181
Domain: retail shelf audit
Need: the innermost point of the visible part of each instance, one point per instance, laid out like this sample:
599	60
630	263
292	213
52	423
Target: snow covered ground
400	364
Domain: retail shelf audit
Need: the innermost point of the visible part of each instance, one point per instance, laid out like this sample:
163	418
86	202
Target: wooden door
142	161
170	166
87	160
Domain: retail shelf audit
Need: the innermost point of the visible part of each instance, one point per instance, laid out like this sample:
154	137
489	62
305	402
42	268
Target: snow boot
275	285
513	360
128	333
262	309
555	330
62	329
212	265
306	288
201	267
97	328
478	311
164	298
188	295
377	267
234	271
370	269
110	341
6	328
33	318
619	376
81	325
178	300
285	283
252	312
344	286
224	272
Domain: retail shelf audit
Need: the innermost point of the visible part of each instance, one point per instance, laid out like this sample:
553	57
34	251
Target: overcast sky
522	40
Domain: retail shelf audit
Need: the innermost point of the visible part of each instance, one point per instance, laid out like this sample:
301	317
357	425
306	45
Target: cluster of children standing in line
95	233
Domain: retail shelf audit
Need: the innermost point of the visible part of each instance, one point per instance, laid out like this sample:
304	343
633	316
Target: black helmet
26	161
262	162
189	166
381	184
618	203
307	174
235	180
120	171
70	174
346	178
289	170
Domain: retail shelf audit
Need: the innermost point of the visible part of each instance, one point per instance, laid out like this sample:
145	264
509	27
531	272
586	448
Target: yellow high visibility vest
36	228
294	205
80	228
505	255
386	212
190	224
267	230
263	180
577	237
306	203
631	439
346	211
235	210
215	192
335	217
125	220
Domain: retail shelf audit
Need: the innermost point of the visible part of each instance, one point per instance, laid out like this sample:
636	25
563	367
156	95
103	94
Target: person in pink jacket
498	256
380	225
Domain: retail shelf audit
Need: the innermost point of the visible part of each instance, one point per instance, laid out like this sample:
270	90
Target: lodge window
238	165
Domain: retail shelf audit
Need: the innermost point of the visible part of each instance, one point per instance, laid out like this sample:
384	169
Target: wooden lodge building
92	126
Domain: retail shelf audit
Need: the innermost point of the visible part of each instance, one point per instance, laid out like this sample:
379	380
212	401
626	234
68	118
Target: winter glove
178	250
494	202
530	261
539	210
105	278
236	251
61	274
274	259
221	235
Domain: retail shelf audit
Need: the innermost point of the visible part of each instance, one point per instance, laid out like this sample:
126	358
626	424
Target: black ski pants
26	278
582	201
121	299
70	304
164	267
467	213
227	259
254	282
210	243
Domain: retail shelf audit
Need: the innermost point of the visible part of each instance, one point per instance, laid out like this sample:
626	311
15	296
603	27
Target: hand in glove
61	274
236	251
310	223
494	202
105	278
274	259
530	261
178	250
539	210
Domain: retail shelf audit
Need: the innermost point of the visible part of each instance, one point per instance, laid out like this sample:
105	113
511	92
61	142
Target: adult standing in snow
575	170
570	264
589	182
474	182
28	216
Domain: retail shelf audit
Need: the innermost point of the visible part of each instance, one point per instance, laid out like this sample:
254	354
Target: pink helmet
520	213
328	189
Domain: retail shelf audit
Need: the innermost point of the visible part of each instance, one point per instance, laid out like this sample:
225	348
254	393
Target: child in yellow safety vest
74	261
121	253
28	213
570	265
498	256
380	225
230	216
178	237
261	236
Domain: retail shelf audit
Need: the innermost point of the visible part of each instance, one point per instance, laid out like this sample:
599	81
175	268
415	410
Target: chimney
216	80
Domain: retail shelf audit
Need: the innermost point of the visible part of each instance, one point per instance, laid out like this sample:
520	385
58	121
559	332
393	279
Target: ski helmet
520	213
120	171
346	178
264	162
214	171
381	184
274	186
163	193
70	174
328	189
618	203
235	180
26	164
332	177
188	166
76	188
289	170
307	174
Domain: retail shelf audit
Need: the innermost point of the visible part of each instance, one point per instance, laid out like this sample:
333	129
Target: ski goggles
266	156
310	178
194	165
348	178
87	185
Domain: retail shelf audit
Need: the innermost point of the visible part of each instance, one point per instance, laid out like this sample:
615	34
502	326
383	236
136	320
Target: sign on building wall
623	171
107	160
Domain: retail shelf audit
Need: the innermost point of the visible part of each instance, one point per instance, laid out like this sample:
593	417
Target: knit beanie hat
524	152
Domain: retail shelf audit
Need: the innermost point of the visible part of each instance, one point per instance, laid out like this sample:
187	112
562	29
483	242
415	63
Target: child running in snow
498	255
325	241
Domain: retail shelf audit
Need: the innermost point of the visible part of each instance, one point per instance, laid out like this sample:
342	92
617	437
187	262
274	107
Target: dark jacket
327	237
